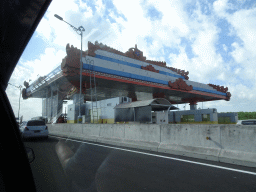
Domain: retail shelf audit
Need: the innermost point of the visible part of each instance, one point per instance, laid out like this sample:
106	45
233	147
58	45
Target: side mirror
30	154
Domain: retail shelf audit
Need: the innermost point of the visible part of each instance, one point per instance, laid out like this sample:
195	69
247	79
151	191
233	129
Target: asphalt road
130	170
46	168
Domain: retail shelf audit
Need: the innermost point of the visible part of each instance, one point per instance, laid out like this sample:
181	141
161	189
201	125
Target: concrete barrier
235	144
111	134
91	132
142	136
239	145
191	140
56	129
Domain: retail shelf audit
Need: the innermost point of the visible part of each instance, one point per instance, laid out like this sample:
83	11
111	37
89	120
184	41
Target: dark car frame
19	19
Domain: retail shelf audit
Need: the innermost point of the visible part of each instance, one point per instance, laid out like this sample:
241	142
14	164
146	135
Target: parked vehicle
34	128
247	122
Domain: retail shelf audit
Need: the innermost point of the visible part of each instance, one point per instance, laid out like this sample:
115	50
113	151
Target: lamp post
79	31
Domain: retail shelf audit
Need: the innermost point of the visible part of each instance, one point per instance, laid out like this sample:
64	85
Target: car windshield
35	123
140	96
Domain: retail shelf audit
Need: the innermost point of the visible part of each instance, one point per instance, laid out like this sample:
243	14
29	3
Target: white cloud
181	60
206	62
208	65
164	32
225	47
28	108
46	62
239	53
135	28
243	23
44	29
244	51
174	17
237	71
243	27
26	70
99	6
61	8
220	7
243	92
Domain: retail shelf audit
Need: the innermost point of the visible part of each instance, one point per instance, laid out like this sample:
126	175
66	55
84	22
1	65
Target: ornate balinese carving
24	93
180	84
228	96
26	84
93	47
73	57
180	72
135	53
71	63
219	88
150	68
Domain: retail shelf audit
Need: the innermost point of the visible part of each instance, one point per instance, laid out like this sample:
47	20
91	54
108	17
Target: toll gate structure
117	74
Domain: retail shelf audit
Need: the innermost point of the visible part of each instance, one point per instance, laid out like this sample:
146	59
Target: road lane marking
161	156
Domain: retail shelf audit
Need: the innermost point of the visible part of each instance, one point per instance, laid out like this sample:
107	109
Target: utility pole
19	87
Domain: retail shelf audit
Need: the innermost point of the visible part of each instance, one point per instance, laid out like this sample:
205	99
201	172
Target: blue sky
213	40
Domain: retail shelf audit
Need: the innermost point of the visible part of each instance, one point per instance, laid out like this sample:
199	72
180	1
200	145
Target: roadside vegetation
245	115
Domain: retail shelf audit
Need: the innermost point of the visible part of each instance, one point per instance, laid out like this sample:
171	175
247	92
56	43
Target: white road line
161	156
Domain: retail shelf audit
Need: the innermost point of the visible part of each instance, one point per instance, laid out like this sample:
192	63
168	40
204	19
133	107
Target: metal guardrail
36	84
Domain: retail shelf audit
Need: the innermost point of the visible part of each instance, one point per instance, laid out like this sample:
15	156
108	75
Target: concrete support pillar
51	104
193	105
132	95
57	103
47	105
76	98
46	102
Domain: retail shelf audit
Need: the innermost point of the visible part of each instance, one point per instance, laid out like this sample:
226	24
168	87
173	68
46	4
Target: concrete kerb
238	158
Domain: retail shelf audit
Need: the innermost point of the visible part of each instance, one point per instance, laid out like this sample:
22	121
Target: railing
54	119
37	83
57	114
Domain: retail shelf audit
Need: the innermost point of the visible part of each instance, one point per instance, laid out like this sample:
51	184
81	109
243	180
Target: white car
34	128
247	122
